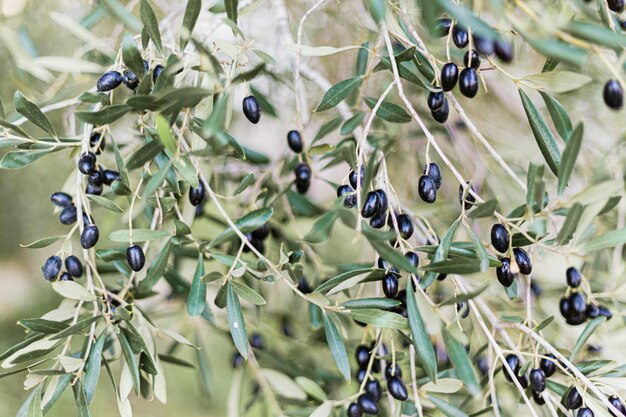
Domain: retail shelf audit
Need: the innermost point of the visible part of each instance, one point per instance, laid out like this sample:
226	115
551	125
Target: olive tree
400	245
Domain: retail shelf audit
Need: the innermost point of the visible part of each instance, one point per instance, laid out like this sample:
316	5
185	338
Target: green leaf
105	202
247	293
41	243
156	269
596	34
570	224
132	57
196	301
231	9
150	24
139	235
558	81
92	369
336	346
557	50
80	398
105	116
334	281
379	318
327	128
73	291
464	296
542	134
42	326
236	322
131	360
377	303
591	327
32	112
447	408
320	232
441	252
165	134
192	11
352	123
245	182
248	223
481	251
485	209
156	180
459	266
338	92
461	362
558	115
144	154
388	111
120	12
18	159
34	407
467	19
606	240
569	157
424	349
76	327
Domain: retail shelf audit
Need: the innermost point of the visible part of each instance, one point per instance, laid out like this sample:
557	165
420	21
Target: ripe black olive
354	410
372	387
617	403
158	69
371	205
484	46
605	312
442	27
482	365
97	141
68	215
378	221
295	141
514	364
471	59
74	266
413	258
578	303
61	199
93	189
303	172
390	285
573	277
65	277
350	200
397	389
592	311
500	237
468	82
547	365
449	76
89	236
405	226
109	80
572	399
460	37
130	79
523	261
434	172
362	354
441	115
537	380
393	370
427	189
469	200
585	412
565	307
87	163
616	5
110	176
538	398
360	375
367	404
197	195
613	94
353	179
51	268
135	257
304	287
262	232
96	178
251	109
435	100
238	360
256	341
504	50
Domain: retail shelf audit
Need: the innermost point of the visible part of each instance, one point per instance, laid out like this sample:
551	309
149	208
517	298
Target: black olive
523	381
109	80
352	177
378	221
616	5
535	288
238	360
572	399
397	389
538	398
469	200
442	27
427	189
96	178
68	215
605	312
434	172
303	172
441	115
110	176
471	59
564	307
61	199
468	82
573	277
65	277
585	412
547	365
523	261
504	50
87	163
130	79
405	226
436	100
617	403
383	202
354	410
592	311
158	69
304	287
362	354
251	109
371	205
483	365
500	237
135	257
578	303
484	46
390	285
392	370
514	364
449	76
51	268
350	200
537	380
74	266
295	141
367	404
360	375
98	142
613	94
460	37
89	236
197	195
262	232
93	189
256	341
372	387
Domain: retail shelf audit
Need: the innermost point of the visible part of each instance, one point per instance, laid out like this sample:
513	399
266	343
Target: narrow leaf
196	301
150	24
236	322
569	157
336	346
338	92
461	361
424	349
32	112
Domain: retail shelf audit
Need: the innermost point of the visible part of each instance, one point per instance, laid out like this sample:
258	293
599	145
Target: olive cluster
572	400
302	171
468	77
547	368
113	79
574	307
506	272
367	403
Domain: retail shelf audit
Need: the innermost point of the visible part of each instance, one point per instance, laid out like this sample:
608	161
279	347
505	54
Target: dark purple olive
483	365
65	276
251	109
471	59
441	115
360	375
500	238
397	389
468	82
616	5
427	189
613	94
353	179
51	268
392	370
89	236
87	163
130	79
449	76
110	176
262	232
605	312
304	287
294	140
484	46
109	80
367	404
372	387
405	226
617	403
573	277
256	341
436	100
379	220
371	205
135	257
413	259
585	412
592	311
98	142
362	354
504	50
74	266
469	200
61	199
96	178
572	399
303	172
303	185
350	200
434	172
390	285
442	27
238	360
548	366
68	215
538	397
578	303
523	261
460	37
354	410
158	69
91	189
514	364
565	307
197	195
537	380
